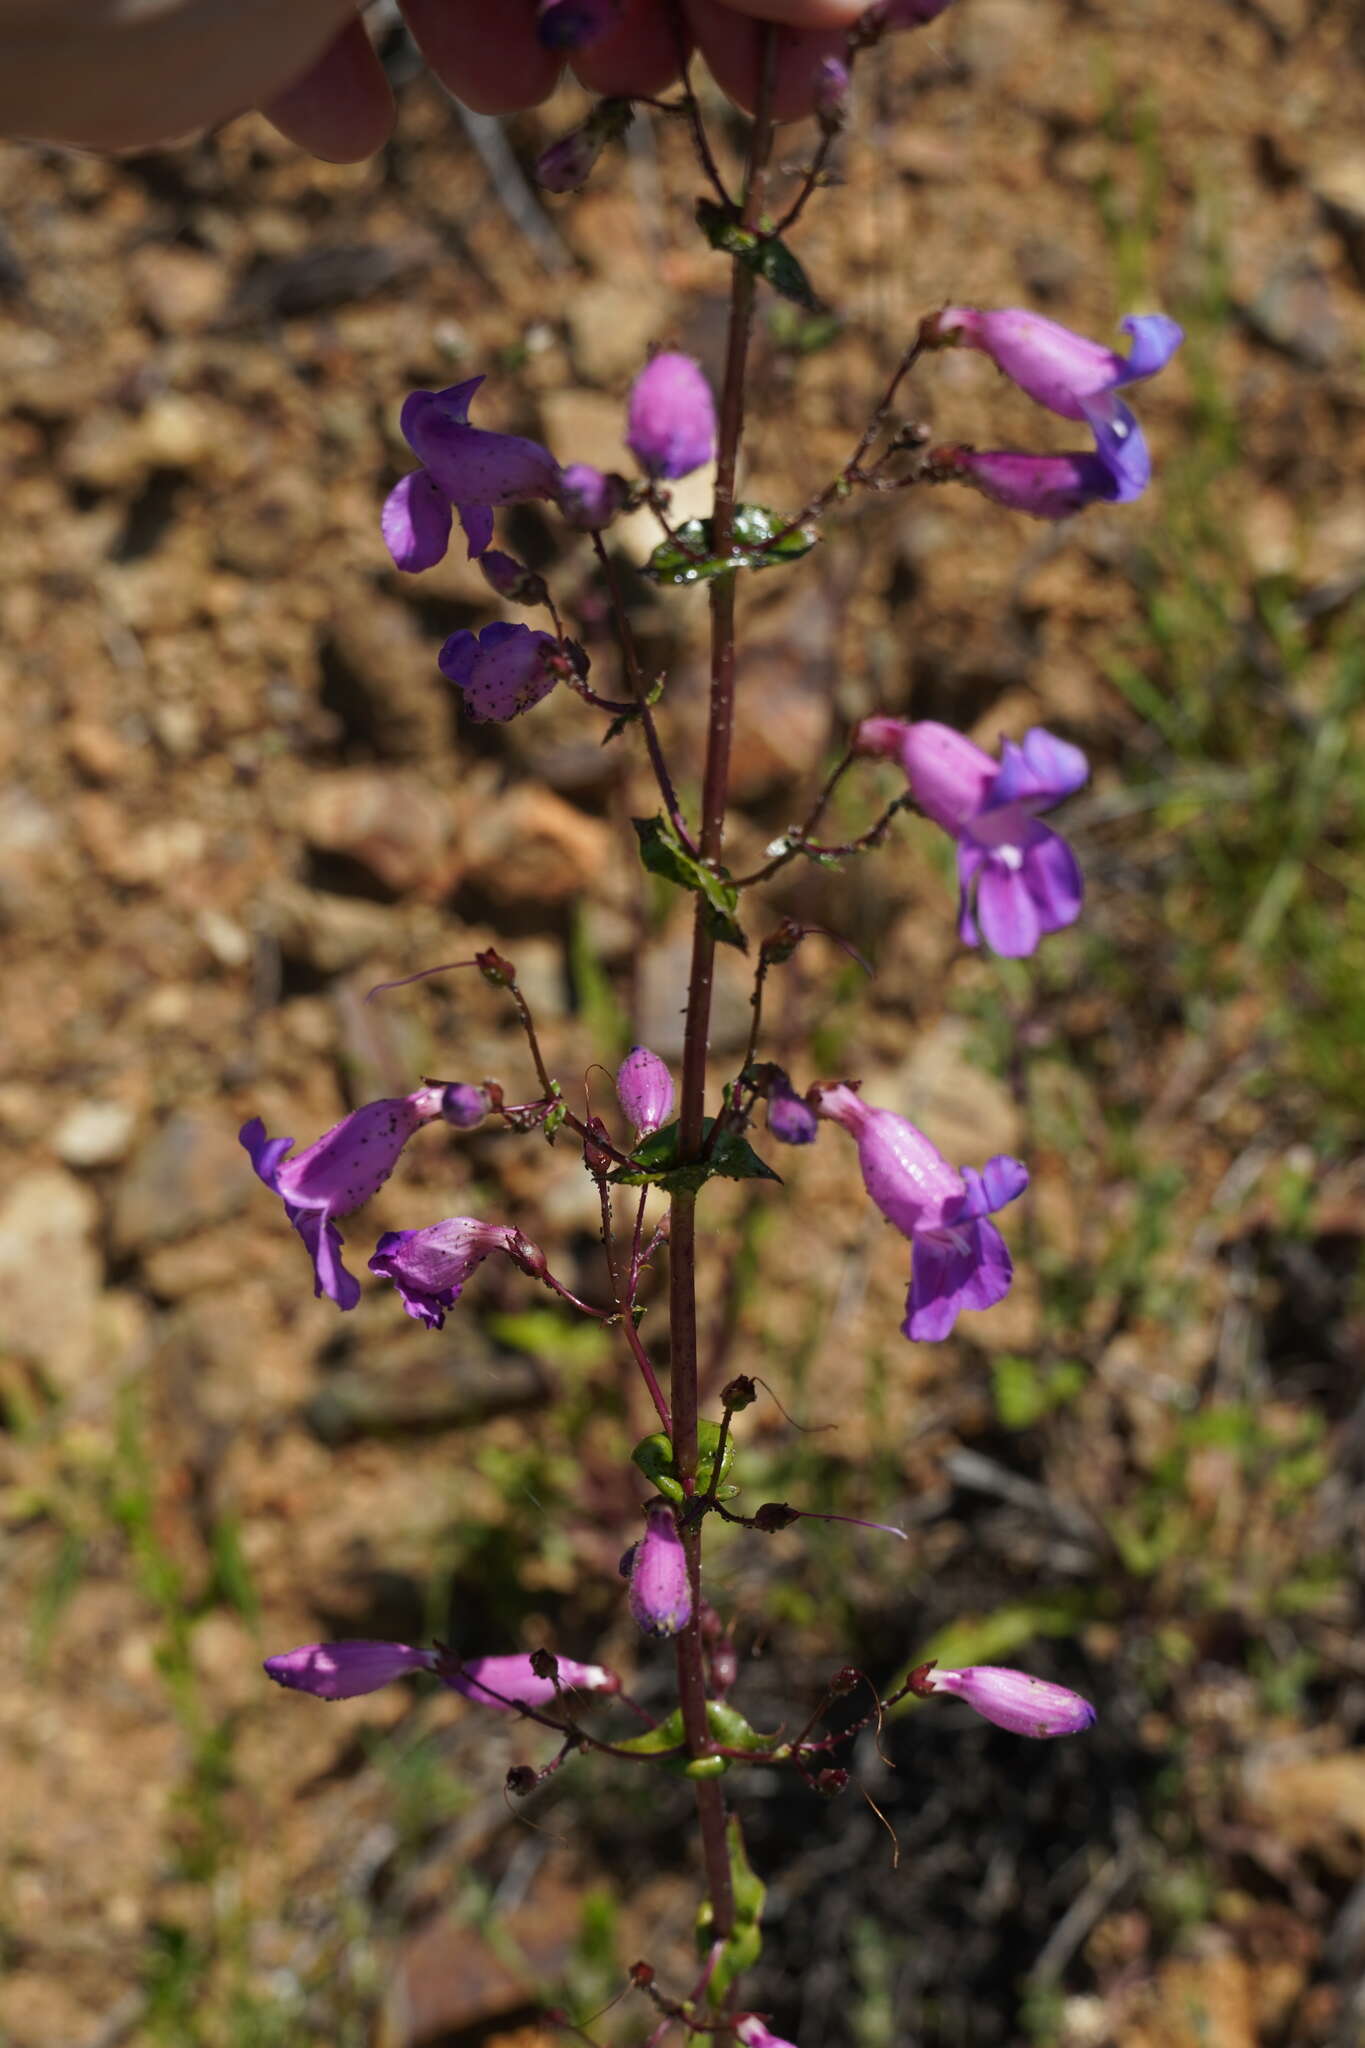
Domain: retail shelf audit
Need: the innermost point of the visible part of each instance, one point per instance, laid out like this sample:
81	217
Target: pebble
190	1174
94	1133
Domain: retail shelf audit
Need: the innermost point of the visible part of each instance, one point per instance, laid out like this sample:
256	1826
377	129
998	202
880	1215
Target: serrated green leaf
755	544
730	1158
664	854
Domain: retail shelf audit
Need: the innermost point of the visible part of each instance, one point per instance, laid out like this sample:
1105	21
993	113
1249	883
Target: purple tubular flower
960	1259
511	578
1019	879
644	1088
501	671
590	499
1073	377
660	1596
464	467
671	426
1044	486
791	1119
1013	1700
508	1682
754	2034
338	1173
342	1671
430	1267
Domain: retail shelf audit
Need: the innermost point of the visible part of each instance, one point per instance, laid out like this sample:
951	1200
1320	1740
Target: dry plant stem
715	788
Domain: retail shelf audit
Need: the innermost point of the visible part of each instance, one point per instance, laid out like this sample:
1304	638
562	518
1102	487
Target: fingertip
341	109
638	57
802	14
496	68
731	43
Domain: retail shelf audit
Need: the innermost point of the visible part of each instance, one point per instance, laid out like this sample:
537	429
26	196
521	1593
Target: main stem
715	790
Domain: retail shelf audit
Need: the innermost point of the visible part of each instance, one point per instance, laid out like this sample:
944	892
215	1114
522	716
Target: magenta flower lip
465	470
959	1259
344	1671
501	671
430	1267
1015	1700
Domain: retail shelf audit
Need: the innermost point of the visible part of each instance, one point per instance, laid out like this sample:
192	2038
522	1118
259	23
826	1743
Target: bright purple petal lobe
967	1266
430	1267
1001	1181
660	1595
415	522
1155	340
342	1671
1014	1700
502	672
1120	446
477	521
644	1088
508	1682
475	467
1039	772
671	425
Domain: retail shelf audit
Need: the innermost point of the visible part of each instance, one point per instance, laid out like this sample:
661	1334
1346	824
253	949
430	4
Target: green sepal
690	557
706	1767
729	1728
654	1456
663	853
745	1944
730	1158
766	255
655	1741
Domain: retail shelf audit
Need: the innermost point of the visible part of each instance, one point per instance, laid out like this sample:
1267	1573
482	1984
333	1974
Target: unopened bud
644	1088
660	1593
590	498
545	1664
499	973
775	1515
791	1119
722	1666
528	1256
520	1780
642	1975
739	1393
511	578
831	1781
832	85
845	1681
464	1105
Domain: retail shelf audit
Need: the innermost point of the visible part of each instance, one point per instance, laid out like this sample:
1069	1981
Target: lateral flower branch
1019	882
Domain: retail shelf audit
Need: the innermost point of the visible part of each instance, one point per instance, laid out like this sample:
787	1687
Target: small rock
610	328
94	1133
180	289
413	1385
663	998
330	934
530	846
189	1175
393	826
50	1275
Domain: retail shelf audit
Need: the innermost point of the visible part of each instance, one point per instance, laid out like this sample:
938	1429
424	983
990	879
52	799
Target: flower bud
671	428
660	1594
791	1119
520	1781
832	85
1014	1700
511	578
591	498
528	1681
464	1105
343	1671
644	1088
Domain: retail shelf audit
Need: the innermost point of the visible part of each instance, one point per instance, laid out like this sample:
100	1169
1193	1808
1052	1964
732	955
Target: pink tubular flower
671	428
644	1088
338	1173
343	1671
960	1259
1073	377
660	1594
465	468
1013	1700
754	2034
501	671
1019	880
430	1267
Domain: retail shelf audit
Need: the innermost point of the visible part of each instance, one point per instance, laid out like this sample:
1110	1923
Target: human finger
341	109
639	54
802	14
495	69
732	45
